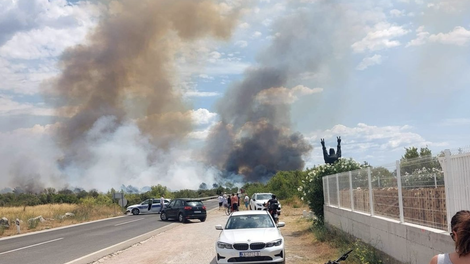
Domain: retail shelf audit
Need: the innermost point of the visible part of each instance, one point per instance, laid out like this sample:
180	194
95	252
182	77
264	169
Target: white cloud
256	34
450	6
50	27
421	37
396	13
205	76
196	93
369	61
9	107
282	95
380	37
203	116
267	22
241	43
244	25
459	36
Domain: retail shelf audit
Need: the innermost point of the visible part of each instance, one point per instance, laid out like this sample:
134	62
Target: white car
250	237
143	207
258	199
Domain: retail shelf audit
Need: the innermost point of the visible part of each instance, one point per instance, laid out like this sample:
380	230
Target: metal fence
411	191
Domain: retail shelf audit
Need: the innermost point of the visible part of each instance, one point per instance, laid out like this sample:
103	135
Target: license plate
197	212
250	254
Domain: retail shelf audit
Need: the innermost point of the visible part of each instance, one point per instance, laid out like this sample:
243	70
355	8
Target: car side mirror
281	224
219	227
254	199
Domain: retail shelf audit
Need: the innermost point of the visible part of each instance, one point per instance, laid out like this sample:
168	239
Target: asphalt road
83	243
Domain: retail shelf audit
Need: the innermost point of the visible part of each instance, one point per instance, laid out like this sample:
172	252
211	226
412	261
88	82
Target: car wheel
163	216
203	219
181	218
135	211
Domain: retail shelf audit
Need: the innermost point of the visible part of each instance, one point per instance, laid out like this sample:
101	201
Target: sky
96	94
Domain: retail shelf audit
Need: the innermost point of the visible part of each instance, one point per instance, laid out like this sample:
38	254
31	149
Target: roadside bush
311	187
362	253
33	223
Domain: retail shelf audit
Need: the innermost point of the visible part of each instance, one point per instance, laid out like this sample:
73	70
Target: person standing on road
234	202
460	226
229	201
162	203
221	200
224	201
247	200
150	204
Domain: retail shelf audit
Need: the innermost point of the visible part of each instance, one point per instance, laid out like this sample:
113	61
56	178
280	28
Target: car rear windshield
194	203
263	196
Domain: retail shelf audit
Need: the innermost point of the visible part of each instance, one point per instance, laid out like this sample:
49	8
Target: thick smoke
254	138
124	76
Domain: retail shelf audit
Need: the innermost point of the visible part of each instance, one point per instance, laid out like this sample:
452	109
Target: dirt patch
301	244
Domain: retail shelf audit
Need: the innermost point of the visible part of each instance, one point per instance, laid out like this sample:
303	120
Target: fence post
328	189
351	191
337	189
371	195
449	187
400	194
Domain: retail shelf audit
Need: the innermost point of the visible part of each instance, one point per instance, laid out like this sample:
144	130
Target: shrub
311	187
362	253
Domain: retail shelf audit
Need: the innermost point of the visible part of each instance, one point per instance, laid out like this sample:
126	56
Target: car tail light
188	208
203	208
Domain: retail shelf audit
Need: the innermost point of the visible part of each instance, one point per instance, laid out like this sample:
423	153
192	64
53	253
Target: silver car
258	200
250	237
143	207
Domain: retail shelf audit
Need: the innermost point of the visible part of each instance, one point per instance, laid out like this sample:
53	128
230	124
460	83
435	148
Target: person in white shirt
162	203
221	200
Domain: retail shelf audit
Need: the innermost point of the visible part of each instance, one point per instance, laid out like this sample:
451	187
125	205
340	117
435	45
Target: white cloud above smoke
282	95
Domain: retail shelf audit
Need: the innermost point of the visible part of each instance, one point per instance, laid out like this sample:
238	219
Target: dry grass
54	216
301	244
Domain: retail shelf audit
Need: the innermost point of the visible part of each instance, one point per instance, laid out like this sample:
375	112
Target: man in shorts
234	201
221	200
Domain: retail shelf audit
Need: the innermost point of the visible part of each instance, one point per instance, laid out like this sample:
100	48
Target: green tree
418	168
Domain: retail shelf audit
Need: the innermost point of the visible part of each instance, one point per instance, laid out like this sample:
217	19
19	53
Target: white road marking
128	222
38	244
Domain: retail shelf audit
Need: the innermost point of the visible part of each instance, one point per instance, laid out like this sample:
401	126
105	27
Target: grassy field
54	216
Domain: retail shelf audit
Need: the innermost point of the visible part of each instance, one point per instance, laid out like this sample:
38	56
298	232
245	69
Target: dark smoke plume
124	72
254	138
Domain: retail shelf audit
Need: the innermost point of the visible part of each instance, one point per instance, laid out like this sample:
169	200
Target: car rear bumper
196	216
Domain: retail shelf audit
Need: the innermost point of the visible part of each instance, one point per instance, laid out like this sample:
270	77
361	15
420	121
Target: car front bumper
267	255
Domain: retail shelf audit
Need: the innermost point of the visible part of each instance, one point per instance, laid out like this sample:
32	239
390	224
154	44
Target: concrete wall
406	243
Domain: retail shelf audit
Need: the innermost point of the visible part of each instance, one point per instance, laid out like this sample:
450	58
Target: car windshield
249	221
263	196
194	203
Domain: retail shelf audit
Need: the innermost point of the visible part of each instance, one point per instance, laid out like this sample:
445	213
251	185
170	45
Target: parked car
143	207
250	237
183	209
258	200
